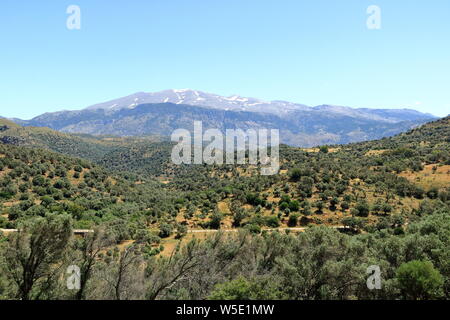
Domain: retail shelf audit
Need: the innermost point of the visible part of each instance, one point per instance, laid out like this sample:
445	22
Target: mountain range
160	113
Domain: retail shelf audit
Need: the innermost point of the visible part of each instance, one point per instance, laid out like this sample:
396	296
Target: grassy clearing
426	178
375	152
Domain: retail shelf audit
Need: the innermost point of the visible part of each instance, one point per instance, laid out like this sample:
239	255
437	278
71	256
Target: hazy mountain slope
82	146
432	135
302	128
150	153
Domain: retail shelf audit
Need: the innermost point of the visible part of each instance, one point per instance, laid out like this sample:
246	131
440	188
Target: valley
137	202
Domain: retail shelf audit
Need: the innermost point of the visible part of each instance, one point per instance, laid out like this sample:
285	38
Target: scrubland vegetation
383	202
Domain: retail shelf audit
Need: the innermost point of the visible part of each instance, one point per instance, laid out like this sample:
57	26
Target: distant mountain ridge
239	103
161	113
201	99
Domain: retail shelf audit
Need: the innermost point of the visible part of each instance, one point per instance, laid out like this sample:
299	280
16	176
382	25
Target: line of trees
320	263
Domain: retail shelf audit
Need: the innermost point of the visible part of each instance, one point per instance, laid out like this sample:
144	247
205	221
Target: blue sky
311	52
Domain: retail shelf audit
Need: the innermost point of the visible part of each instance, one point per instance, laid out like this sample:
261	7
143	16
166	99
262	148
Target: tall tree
34	255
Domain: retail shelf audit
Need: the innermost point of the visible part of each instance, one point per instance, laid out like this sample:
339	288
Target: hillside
359	183
336	210
34	182
92	148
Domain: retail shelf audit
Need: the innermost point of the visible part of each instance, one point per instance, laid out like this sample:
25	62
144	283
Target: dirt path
275	229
